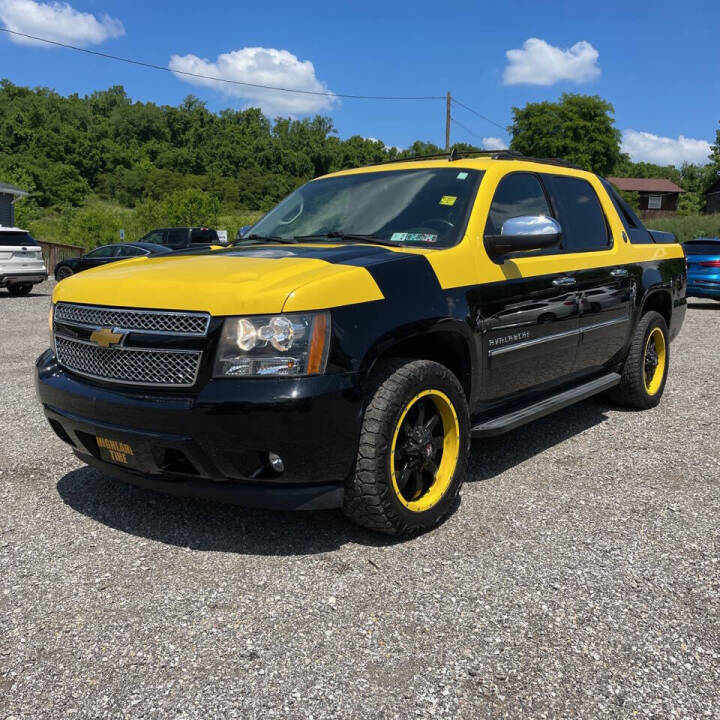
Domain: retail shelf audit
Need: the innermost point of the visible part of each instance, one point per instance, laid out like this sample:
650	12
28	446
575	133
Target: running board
516	418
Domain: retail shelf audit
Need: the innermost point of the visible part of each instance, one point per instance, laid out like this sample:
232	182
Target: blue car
703	260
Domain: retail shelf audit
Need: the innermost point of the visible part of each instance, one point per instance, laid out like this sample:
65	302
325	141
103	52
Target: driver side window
517	194
102	252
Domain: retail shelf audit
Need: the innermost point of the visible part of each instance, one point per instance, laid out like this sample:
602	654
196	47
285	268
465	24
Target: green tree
189	207
578	128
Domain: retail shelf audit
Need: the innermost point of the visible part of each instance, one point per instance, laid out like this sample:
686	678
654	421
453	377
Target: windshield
11	239
409	207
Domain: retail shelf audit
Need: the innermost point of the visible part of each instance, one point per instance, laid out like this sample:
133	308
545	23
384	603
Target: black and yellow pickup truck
345	352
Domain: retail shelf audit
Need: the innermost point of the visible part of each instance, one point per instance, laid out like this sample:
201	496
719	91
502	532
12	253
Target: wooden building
712	197
8	195
657	197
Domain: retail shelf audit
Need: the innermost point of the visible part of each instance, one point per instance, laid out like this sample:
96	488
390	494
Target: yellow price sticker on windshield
448	199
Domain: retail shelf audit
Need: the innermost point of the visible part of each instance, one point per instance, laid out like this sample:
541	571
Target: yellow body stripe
468	262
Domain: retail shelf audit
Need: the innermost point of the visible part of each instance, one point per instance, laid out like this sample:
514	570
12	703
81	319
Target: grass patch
687	227
98	222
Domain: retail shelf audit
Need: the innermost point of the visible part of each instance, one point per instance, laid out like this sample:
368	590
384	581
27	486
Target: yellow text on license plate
118	451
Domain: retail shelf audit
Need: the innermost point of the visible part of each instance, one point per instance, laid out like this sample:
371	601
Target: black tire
63	272
401	390
636	389
20	289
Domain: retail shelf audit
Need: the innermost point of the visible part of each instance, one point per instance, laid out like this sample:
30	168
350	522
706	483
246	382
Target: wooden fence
53	253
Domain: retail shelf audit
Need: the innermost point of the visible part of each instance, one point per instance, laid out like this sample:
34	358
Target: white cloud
539	63
646	147
260	66
56	21
494	143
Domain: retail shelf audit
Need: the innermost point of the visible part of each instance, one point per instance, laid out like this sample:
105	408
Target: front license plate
115	451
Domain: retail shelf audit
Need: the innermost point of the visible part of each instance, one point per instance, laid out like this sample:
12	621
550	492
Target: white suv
21	261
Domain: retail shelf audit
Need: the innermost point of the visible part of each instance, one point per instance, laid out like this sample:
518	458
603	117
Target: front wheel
645	371
413	450
20	289
63	272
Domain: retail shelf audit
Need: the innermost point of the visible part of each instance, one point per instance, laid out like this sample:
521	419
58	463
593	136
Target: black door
530	322
97	257
605	290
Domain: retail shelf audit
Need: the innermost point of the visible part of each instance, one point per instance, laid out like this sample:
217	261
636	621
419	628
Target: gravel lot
579	577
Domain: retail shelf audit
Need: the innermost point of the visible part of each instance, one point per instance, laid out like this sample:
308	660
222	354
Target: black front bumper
214	443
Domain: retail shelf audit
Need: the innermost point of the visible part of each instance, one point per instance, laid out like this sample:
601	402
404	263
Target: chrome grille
133	366
155	321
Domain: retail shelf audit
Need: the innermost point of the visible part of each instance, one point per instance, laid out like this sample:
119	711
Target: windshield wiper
266	238
349	237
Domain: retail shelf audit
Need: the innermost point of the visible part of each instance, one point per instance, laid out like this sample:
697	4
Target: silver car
21	261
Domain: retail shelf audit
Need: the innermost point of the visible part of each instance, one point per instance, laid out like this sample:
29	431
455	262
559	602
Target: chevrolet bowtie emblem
105	337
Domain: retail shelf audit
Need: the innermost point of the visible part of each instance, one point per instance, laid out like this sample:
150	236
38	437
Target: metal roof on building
9	189
657	185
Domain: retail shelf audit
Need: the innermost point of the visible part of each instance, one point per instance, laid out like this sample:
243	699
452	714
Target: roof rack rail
492	154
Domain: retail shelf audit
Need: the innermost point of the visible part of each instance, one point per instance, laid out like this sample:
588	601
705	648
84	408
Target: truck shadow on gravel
205	525
491	457
5	295
702	305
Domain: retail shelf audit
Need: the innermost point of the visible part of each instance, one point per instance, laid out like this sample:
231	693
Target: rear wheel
413	449
646	367
19	289
63	272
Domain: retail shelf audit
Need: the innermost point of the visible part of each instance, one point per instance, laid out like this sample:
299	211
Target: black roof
150	247
188	227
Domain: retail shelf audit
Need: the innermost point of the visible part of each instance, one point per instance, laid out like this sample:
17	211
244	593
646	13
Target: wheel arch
448	343
660	300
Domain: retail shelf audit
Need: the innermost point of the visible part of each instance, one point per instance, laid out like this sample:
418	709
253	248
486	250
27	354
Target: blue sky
657	63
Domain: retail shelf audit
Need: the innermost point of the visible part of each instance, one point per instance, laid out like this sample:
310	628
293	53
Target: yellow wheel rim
424	450
655	360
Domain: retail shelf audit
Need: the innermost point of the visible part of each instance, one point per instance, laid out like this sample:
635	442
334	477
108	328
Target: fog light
276	462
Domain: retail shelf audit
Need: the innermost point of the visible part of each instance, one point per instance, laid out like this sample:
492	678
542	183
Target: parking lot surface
579	576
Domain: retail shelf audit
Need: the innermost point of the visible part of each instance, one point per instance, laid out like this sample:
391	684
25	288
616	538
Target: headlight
294	344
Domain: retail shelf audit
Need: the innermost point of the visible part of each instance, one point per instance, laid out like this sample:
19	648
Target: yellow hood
222	283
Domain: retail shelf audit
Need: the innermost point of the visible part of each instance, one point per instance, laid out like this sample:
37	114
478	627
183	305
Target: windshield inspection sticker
448	199
461	176
414	237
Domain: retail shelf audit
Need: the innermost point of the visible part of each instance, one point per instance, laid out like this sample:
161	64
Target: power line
480	115
466	129
152	66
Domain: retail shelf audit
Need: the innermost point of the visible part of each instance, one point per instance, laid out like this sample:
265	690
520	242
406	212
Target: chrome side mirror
524	233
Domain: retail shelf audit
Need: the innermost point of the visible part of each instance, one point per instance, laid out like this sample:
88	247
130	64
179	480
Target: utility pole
447	123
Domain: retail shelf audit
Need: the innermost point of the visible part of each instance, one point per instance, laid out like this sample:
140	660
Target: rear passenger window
177	238
631	222
156	236
517	194
130	251
579	213
203	235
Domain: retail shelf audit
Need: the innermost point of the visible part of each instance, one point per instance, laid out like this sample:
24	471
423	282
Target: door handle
564	282
619	273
